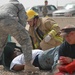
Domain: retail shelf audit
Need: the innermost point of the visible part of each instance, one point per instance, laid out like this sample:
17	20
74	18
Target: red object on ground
62	68
60	73
70	68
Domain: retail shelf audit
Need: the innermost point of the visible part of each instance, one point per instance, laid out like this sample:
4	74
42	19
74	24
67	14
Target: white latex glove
47	38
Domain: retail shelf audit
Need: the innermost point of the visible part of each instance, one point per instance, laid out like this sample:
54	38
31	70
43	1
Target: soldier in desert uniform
13	22
45	9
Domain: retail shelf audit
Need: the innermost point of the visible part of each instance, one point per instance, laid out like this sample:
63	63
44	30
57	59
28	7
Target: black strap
36	35
40	33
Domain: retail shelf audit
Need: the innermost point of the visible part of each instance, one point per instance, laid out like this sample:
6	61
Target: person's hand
47	38
65	60
62	68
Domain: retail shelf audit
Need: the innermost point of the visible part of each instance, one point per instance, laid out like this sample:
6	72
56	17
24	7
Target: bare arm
18	67
65	60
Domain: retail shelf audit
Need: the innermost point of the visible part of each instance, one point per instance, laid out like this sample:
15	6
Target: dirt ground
6	72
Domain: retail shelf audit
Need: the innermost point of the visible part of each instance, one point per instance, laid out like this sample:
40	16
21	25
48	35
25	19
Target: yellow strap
36	45
54	25
38	37
58	38
52	33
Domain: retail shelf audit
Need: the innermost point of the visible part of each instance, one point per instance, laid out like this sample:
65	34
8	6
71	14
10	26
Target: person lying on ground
18	63
44	60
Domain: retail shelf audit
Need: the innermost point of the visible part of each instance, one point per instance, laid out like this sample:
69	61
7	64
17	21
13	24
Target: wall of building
63	21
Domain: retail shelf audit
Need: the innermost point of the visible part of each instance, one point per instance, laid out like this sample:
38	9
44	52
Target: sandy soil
6	72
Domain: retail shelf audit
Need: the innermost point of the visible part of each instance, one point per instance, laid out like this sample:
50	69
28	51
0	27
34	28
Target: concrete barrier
63	21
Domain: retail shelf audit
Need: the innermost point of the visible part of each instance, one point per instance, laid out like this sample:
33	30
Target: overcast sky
29	3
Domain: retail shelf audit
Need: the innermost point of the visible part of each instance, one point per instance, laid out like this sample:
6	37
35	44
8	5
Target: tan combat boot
30	69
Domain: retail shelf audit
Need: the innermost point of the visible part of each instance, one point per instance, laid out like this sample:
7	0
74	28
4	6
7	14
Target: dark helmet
46	1
13	1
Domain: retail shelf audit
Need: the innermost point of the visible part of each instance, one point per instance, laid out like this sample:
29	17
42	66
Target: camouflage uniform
13	22
45	26
45	11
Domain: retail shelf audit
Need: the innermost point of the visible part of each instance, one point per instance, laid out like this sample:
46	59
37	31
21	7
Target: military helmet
13	1
31	14
46	1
